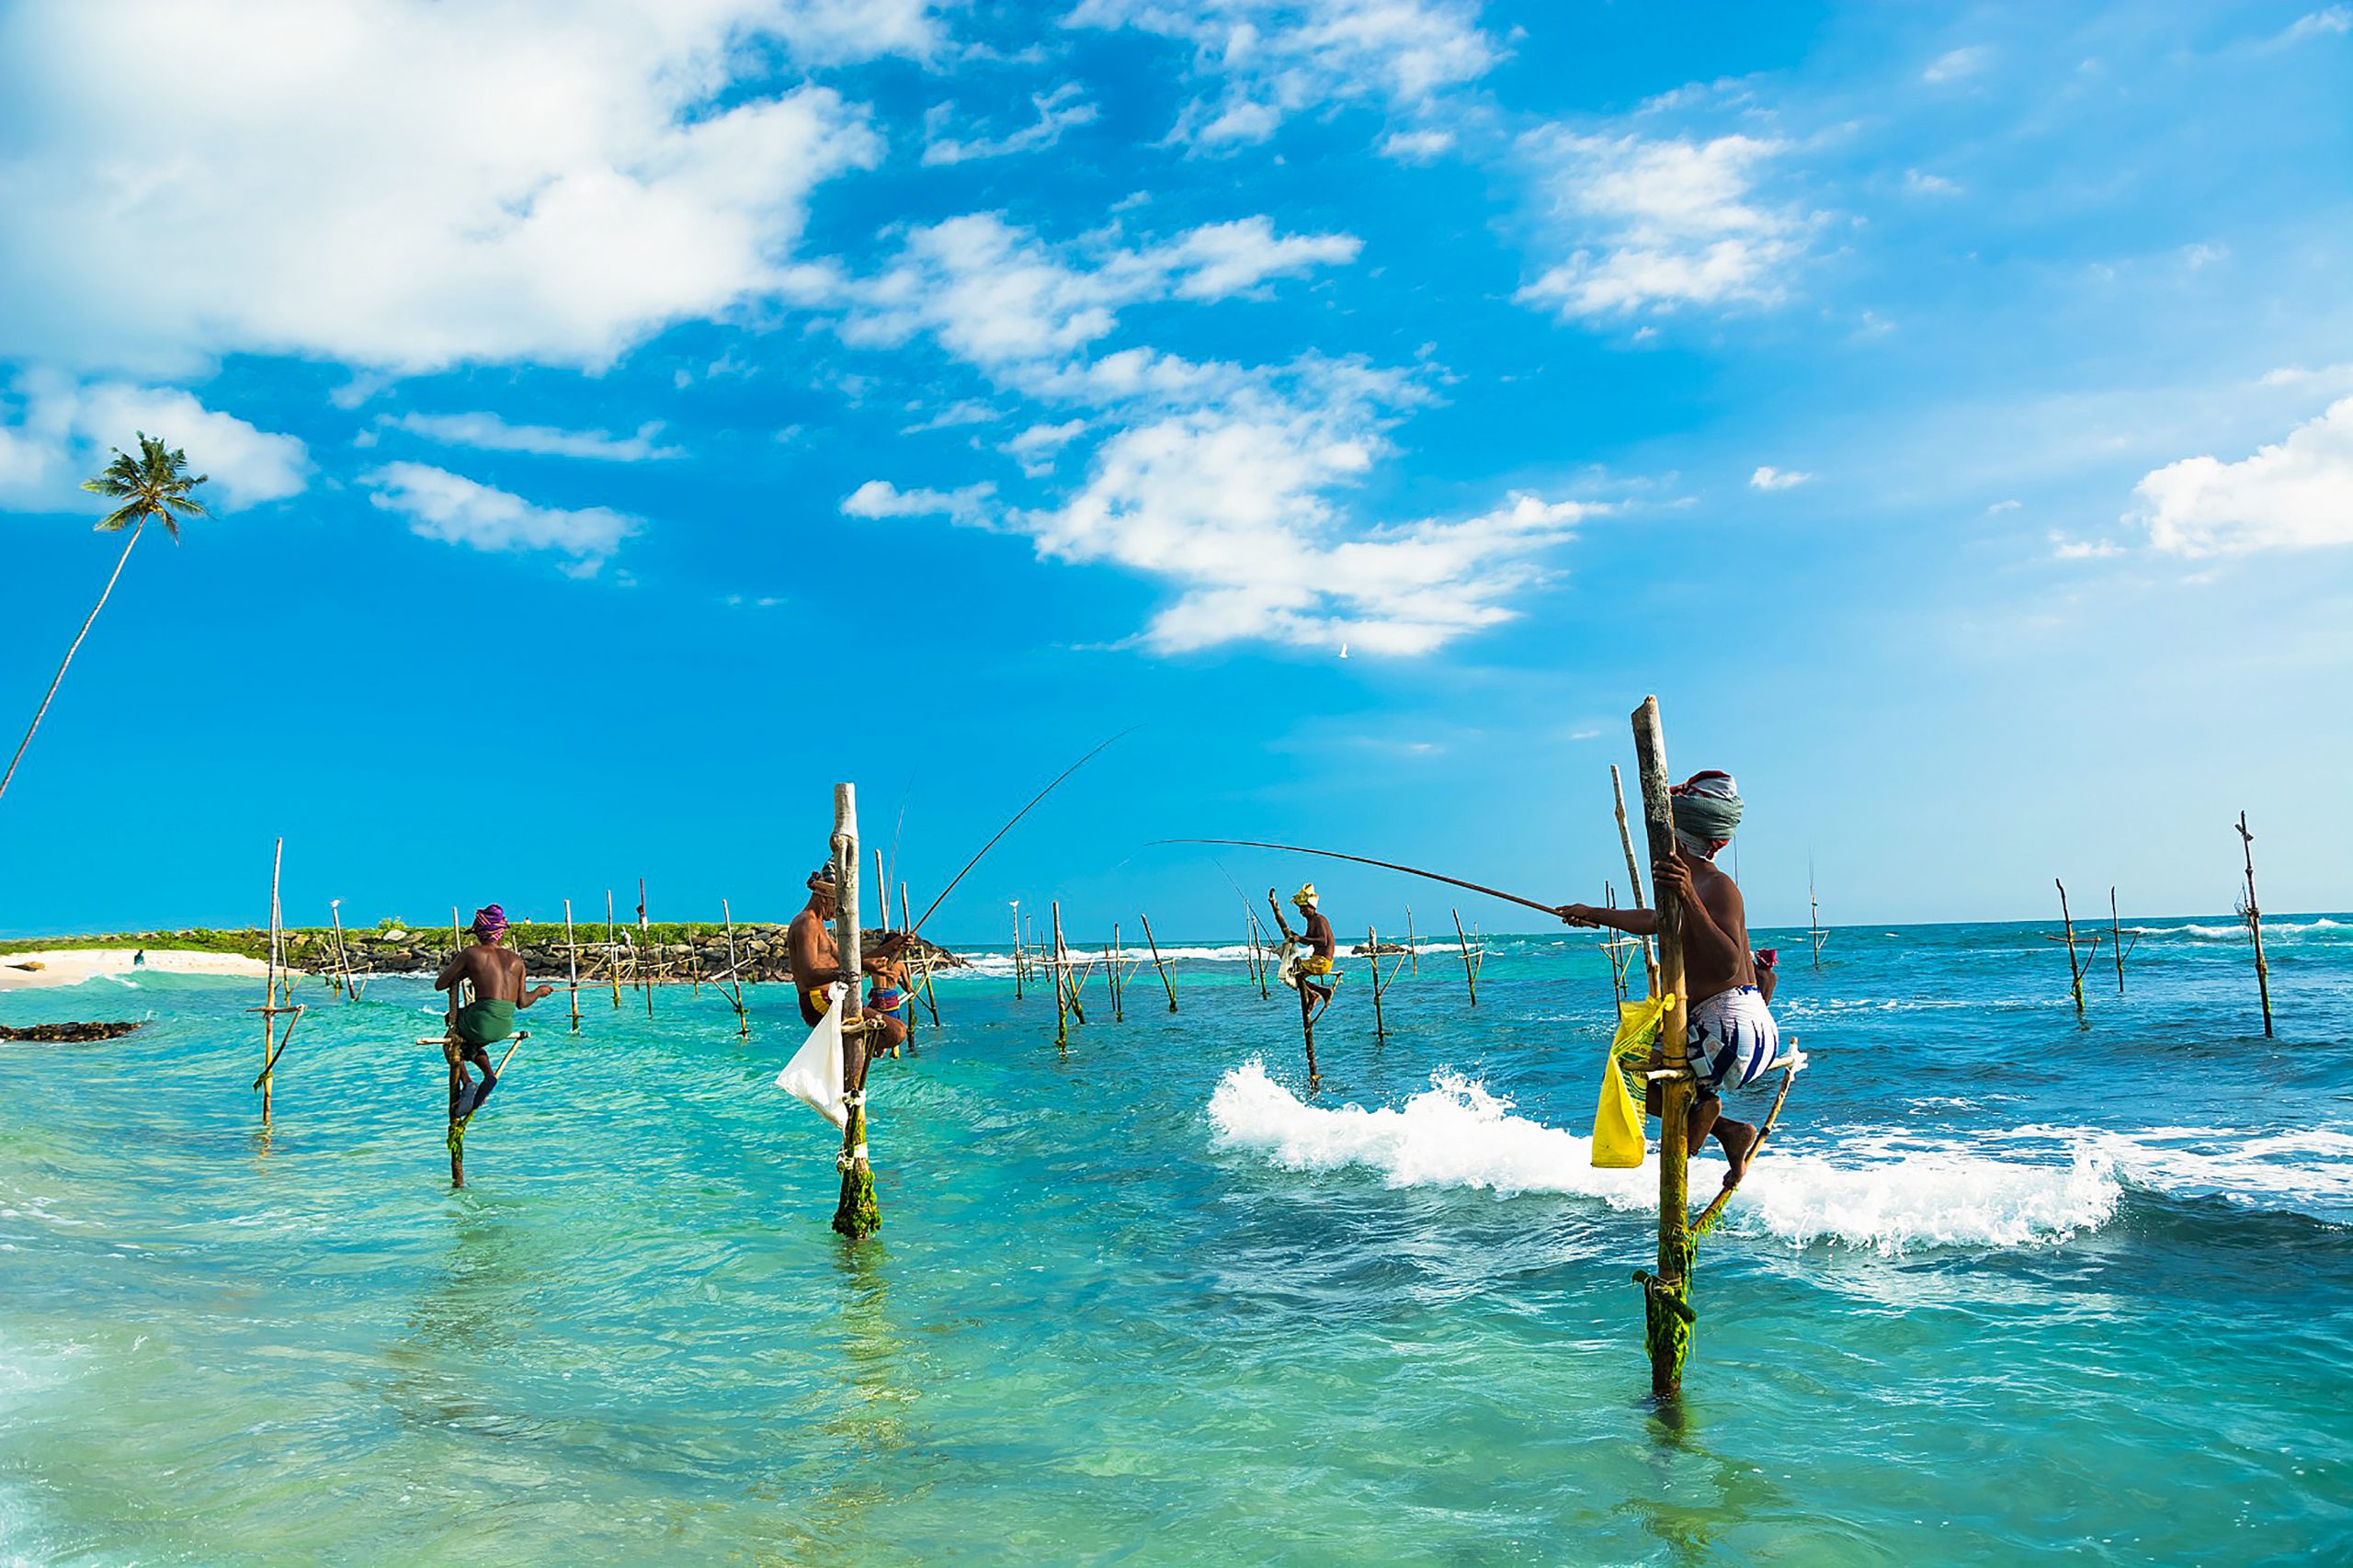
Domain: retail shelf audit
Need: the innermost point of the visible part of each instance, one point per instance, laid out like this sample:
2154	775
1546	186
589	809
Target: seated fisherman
1315	937
890	992
817	965
1732	1039
499	989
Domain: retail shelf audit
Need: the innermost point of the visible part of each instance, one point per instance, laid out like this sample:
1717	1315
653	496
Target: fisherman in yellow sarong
1314	944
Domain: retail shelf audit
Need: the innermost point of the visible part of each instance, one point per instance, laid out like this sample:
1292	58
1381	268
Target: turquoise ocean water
2002	1285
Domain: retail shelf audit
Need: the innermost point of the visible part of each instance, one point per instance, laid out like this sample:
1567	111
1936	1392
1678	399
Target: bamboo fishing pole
1552	910
1156	963
1015	820
923	966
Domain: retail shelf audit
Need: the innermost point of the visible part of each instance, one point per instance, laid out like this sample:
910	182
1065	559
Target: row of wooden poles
2083	953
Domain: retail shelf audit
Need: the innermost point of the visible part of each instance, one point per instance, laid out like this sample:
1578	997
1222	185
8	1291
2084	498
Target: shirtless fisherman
1316	936
817	964
499	990
1732	1039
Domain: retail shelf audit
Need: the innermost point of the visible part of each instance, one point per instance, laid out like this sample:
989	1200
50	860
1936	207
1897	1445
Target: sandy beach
72	966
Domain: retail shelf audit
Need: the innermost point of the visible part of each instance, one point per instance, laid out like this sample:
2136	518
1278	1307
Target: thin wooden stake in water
2116	940
1062	968
856	1216
1111	976
644	949
1167	984
1413	951
735	974
2074	967
1666	1296
1018	964
612	947
1470	974
1372	953
2252	915
269	987
342	962
1813	931
572	952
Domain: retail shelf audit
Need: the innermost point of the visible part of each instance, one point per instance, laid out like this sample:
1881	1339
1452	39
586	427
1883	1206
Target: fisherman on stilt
1732	1040
500	989
817	966
1308	956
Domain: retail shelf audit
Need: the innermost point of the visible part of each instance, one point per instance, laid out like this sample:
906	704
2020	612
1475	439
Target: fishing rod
1024	811
1552	910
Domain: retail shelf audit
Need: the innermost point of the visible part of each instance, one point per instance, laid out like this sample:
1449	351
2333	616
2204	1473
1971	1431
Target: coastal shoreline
54	967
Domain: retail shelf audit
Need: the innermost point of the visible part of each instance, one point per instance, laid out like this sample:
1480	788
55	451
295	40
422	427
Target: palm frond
154	486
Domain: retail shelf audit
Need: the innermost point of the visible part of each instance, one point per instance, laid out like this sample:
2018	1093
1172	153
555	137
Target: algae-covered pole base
1061	963
1667	1313
856	1216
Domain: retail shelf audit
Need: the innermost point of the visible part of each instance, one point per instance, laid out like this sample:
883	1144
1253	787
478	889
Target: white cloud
1058	112
2333	21
453	509
1418	147
2327	376
1035	448
408	185
1274	58
880	499
2296	495
1919	182
1660	224
2000	506
489	433
1238	508
2196	256
63	432
997	298
2065	548
967	411
1777	479
1955	64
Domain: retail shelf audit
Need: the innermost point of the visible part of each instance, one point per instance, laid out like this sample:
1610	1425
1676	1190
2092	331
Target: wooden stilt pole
735	974
2075	966
2252	915
1813	931
1061	969
1167	983
1111	978
2116	940
342	964
1633	873
1470	975
612	947
644	949
1666	1295
269	986
1413	951
1018	965
572	952
1372	953
857	1215
923	962
1261	959
457	936
1307	1033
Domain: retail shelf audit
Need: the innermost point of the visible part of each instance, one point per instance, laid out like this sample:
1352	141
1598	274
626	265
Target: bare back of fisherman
1732	1039
501	989
817	966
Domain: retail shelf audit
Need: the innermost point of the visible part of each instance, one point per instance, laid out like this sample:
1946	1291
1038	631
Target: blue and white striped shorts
1732	1039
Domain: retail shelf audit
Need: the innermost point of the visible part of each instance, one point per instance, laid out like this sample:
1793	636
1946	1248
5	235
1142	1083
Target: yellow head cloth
1304	896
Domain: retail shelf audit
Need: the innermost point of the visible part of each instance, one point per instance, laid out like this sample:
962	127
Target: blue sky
625	419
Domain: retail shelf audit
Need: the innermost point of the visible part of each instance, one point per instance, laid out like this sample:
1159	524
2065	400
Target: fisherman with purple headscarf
500	988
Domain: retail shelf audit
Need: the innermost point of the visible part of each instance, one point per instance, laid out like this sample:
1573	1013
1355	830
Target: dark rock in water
69	1033
1360	951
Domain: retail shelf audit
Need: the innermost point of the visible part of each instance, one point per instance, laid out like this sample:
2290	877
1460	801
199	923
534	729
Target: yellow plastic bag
1617	1123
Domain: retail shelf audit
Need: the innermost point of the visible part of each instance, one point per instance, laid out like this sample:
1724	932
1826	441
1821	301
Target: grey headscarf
1707	809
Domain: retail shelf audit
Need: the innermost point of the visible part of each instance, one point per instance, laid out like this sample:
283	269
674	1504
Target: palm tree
154	486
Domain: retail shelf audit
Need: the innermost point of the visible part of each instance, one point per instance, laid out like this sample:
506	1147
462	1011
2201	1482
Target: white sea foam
1457	1134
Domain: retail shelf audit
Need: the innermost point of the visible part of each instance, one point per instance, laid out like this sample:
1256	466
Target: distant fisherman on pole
499	990
1732	1040
1302	970
817	964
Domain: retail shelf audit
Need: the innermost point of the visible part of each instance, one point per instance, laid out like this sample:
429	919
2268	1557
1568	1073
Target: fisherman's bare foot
1739	1141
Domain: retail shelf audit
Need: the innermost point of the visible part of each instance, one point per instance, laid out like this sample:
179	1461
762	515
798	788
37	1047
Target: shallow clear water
2000	1286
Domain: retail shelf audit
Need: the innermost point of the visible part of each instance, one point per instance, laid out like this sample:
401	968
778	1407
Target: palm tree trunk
50	694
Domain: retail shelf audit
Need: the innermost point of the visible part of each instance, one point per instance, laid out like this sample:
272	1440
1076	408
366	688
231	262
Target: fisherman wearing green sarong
500	987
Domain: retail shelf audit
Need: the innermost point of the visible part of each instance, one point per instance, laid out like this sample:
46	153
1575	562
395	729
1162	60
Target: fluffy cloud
1957	63
1777	479
1274	58
2296	495
1660	224
997	298
1239	508
880	499
409	185
1058	112
62	432
453	509
489	433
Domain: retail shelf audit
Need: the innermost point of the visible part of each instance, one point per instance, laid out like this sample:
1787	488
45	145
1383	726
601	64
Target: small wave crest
1457	1134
